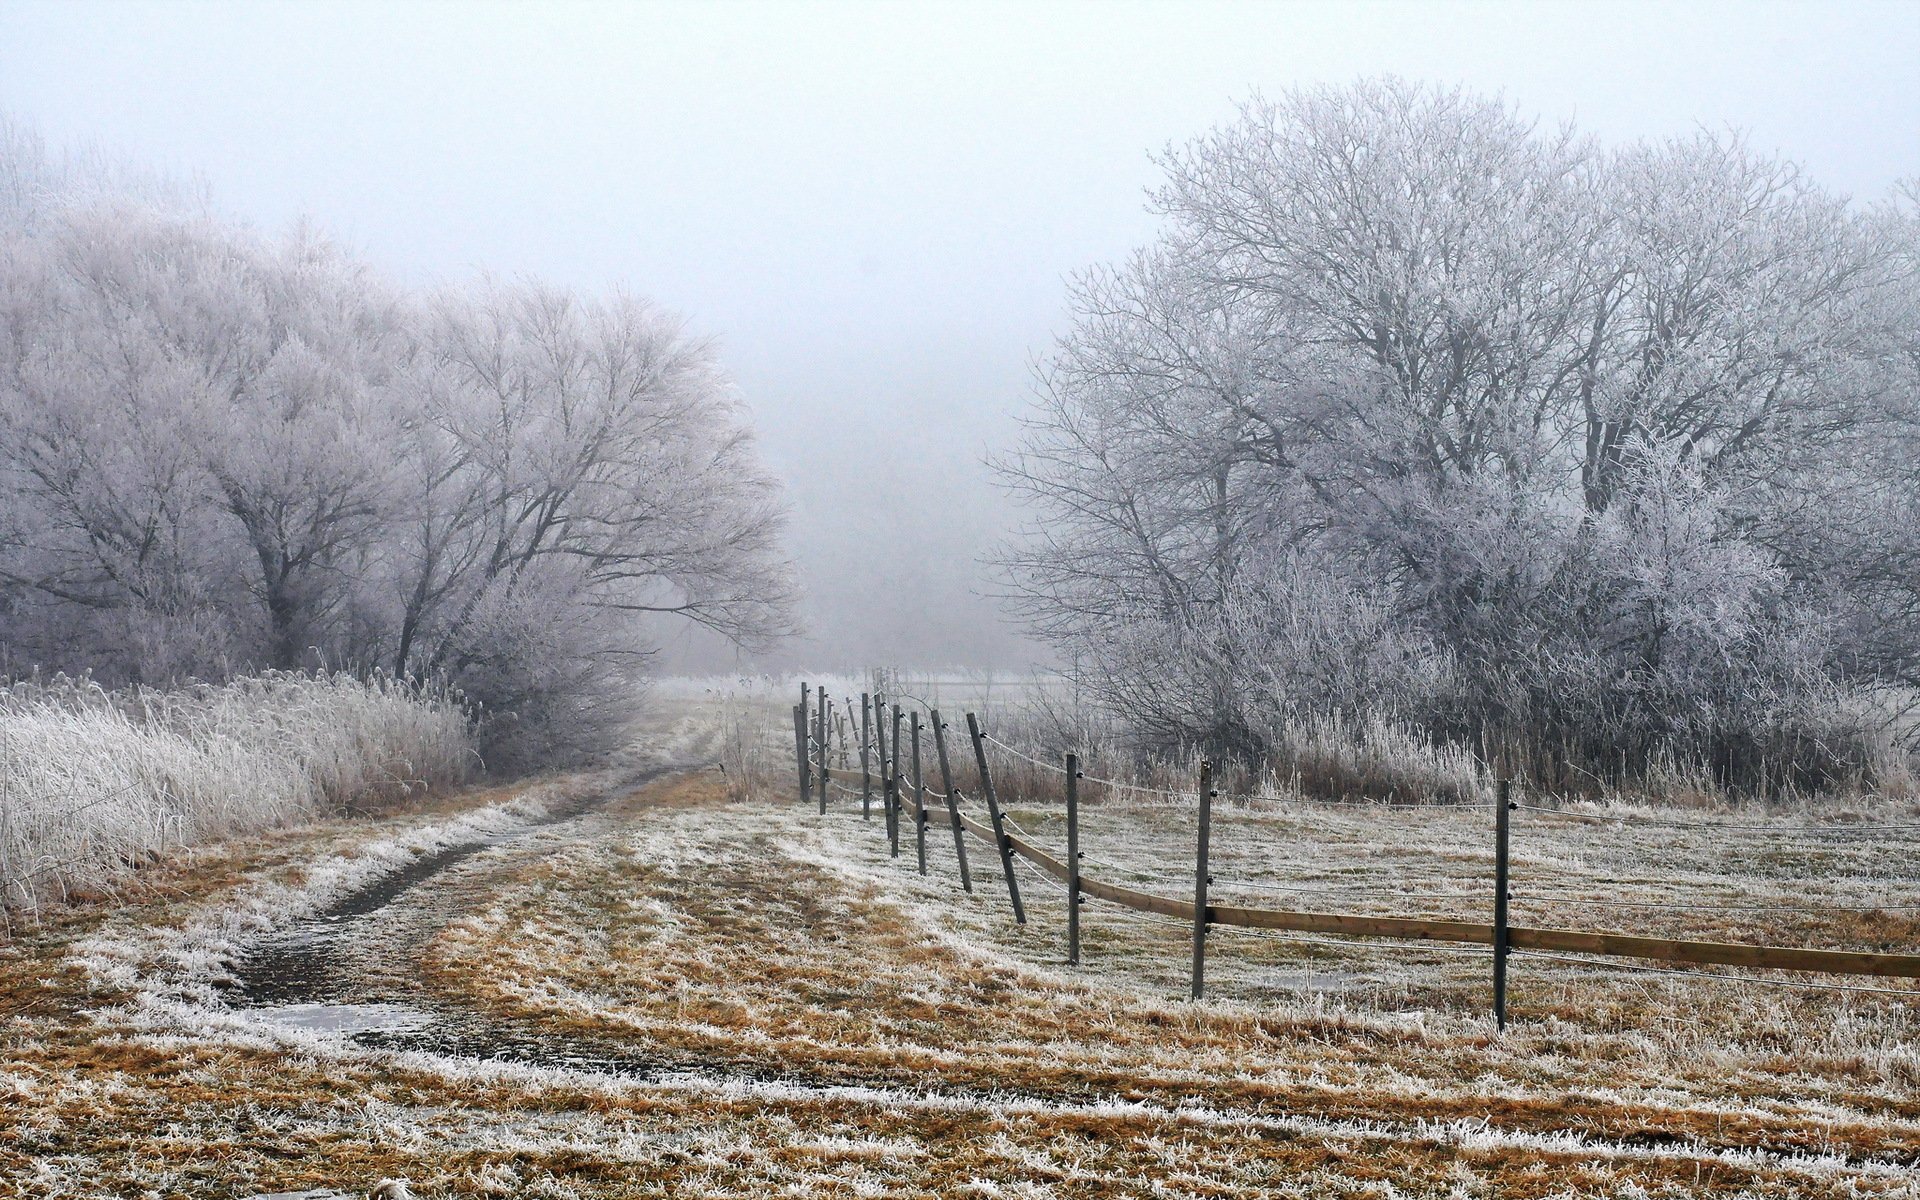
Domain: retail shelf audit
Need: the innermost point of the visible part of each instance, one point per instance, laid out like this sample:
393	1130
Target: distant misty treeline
1604	460
222	452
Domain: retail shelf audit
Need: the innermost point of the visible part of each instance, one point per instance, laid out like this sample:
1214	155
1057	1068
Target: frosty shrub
93	782
1424	422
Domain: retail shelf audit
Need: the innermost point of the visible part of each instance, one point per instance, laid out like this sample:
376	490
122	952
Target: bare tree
585	456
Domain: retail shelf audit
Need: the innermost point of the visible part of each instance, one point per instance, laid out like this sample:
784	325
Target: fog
872	208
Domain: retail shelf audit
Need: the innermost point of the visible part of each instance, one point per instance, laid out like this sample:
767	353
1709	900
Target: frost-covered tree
220	451
198	417
572	455
1416	406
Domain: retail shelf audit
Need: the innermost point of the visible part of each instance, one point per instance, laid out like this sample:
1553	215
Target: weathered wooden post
1200	880
866	765
999	822
886	767
826	772
1503	806
919	800
953	800
1073	858
800	749
893	789
806	758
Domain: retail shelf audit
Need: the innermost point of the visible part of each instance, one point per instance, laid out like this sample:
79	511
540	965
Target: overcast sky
872	206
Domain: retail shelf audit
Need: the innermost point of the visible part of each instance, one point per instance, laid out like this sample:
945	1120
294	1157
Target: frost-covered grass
94	783
849	1027
761	937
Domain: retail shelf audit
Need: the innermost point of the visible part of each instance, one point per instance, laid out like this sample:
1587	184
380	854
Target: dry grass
94	784
774	947
849	1028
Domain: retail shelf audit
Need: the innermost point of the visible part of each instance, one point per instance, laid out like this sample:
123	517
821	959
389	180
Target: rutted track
353	966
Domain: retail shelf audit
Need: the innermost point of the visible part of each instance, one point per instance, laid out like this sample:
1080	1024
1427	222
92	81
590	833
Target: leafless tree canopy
1603	456
220	451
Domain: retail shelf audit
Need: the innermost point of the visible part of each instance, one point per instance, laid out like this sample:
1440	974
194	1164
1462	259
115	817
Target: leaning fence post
953	800
893	789
866	767
919	799
1200	880
1073	858
1502	806
800	749
999	823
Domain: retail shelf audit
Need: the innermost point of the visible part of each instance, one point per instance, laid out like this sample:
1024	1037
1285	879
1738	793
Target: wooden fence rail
1202	914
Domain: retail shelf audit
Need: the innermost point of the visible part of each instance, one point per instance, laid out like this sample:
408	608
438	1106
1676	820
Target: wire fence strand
1094	779
1347	943
1843	831
1716	977
1856	907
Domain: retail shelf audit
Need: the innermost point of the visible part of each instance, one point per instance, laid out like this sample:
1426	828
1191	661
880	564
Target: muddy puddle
352	1019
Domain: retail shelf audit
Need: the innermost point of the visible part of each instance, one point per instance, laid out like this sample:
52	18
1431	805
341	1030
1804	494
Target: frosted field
663	990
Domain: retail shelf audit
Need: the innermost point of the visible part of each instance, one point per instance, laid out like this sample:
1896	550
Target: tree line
221	451
1599	460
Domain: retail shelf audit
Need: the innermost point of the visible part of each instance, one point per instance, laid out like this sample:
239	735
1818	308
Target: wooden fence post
826	772
1073	858
800	750
953	800
866	766
999	822
1200	880
894	802
919	799
805	759
886	769
820	747
1503	806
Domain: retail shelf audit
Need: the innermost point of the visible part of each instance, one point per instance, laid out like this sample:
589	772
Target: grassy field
800	1014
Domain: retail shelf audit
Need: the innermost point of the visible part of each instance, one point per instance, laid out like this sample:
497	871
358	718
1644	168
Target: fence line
1734	954
1200	913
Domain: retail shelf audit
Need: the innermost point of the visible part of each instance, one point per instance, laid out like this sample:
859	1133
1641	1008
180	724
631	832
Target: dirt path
355	967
